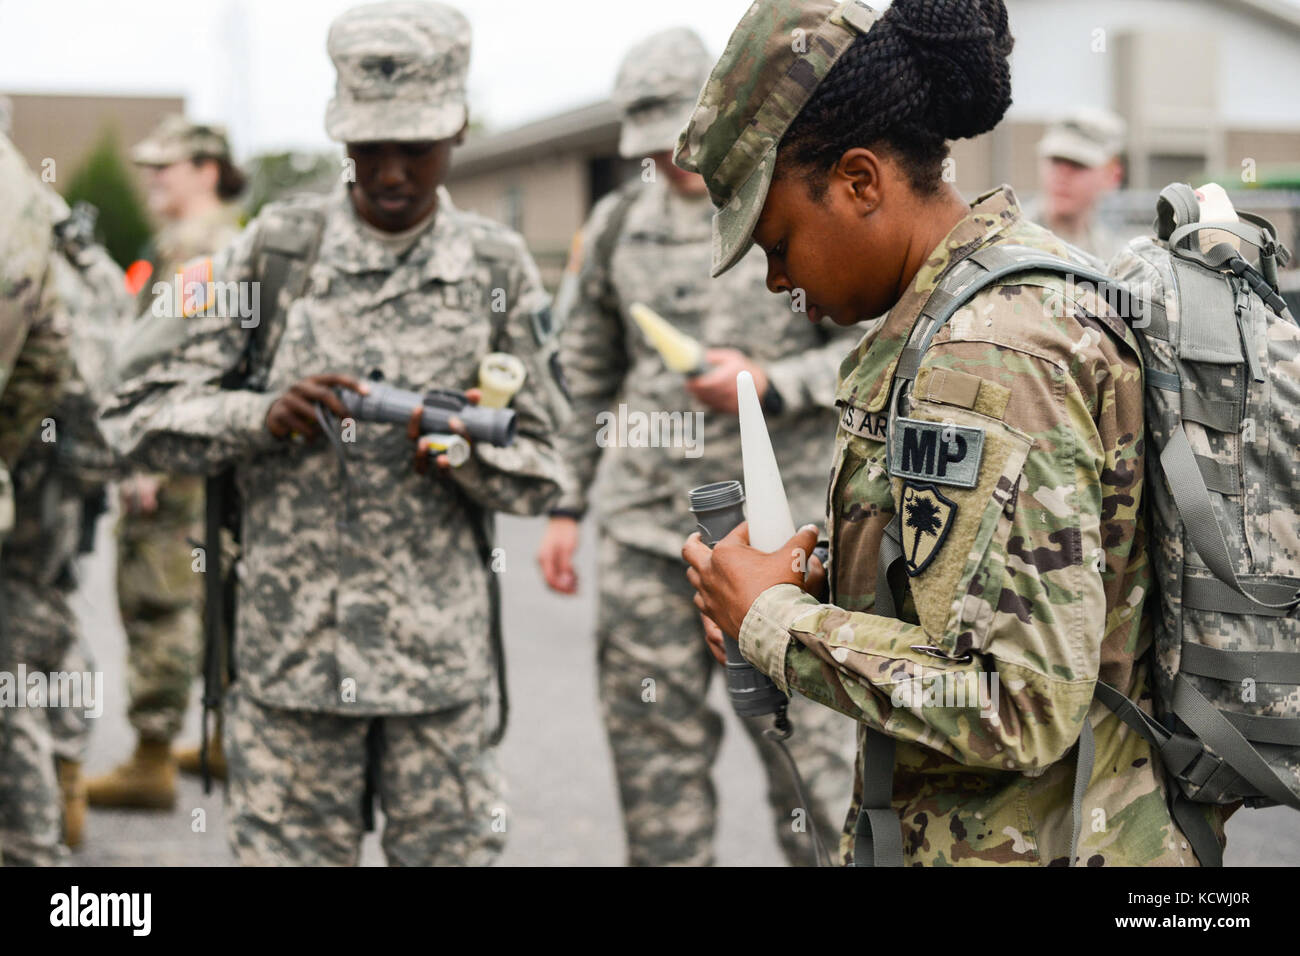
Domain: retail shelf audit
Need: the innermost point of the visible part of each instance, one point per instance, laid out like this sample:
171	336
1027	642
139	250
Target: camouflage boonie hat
780	51
402	70
656	90
175	139
1087	136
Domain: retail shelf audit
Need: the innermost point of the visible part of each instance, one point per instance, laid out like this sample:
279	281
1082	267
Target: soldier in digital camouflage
362	635
649	243
55	481
34	370
191	184
1025	548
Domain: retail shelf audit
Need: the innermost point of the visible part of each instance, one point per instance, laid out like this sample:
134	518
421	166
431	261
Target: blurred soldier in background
191	185
363	605
649	242
1079	163
61	483
33	370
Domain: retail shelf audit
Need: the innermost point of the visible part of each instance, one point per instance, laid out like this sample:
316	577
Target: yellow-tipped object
680	352
500	377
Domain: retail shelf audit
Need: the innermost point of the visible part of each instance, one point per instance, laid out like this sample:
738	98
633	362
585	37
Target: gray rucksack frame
1204	371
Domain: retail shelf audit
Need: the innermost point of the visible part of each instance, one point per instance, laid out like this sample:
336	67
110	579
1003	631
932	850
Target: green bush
104	181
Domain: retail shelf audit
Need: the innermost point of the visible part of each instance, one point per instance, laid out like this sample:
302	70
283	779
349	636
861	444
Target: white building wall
1054	65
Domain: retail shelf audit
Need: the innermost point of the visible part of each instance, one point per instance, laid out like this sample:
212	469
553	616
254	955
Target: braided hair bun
959	52
928	72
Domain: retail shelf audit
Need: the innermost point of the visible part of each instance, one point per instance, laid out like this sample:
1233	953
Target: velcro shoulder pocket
954	473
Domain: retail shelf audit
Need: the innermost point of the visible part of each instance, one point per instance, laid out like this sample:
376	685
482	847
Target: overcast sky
260	66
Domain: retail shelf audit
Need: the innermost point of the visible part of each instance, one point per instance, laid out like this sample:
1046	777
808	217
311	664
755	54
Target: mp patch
944	453
927	518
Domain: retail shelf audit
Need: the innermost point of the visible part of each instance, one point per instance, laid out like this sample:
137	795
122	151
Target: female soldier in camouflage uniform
1022	538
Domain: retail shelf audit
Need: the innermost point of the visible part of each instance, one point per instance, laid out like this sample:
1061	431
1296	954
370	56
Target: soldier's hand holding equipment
442	420
294	412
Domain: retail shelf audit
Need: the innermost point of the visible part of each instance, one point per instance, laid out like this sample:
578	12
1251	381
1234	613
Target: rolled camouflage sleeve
169	411
525	478
593	354
1014	608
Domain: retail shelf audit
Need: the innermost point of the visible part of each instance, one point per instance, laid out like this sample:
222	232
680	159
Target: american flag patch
196	287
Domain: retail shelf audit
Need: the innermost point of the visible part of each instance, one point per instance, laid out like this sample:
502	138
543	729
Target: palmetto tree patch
927	517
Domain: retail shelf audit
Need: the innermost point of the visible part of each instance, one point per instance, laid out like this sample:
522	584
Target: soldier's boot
145	782
187	758
72	787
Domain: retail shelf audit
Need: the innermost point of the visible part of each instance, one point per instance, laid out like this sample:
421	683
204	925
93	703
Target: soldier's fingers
421	460
815	580
473	395
695	552
693	577
319	394
413	423
332	380
443	463
458	426
298	415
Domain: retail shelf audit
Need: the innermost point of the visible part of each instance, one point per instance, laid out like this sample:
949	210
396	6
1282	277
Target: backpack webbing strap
1195	508
1175	752
1085	755
878	834
1218	733
1265	667
1211	594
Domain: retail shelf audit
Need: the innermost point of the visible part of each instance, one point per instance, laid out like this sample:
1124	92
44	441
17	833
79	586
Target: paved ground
562	798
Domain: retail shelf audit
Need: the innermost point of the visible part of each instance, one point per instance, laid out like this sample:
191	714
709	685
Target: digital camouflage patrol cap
175	139
1087	136
656	90
776	57
402	70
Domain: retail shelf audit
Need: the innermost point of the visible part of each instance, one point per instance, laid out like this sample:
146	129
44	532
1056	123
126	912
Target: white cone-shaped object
768	510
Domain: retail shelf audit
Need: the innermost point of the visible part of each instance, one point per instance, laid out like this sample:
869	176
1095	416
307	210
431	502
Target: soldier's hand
716	388
729	579
815	581
414	430
139	494
714	639
555	555
294	413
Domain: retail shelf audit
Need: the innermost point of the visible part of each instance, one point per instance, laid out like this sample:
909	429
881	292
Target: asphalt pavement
561	798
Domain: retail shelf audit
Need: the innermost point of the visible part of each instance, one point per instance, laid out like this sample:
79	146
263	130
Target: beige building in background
1208	87
66	128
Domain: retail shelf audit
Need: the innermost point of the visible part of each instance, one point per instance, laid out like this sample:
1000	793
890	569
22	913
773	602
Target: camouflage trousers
41	636
160	596
297	778
654	673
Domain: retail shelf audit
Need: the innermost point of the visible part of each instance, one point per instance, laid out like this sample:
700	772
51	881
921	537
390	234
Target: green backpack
1221	362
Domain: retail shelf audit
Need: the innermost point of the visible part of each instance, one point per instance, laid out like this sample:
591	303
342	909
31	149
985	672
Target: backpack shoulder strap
499	256
607	241
978	271
286	249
